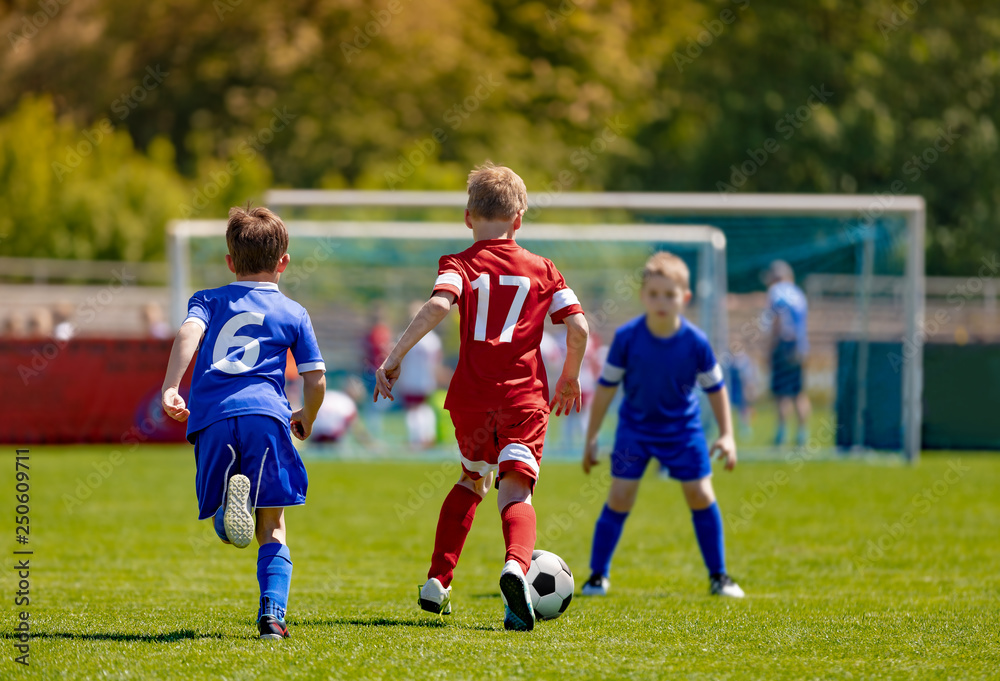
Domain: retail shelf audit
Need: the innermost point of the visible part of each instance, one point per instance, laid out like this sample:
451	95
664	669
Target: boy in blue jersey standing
239	420
661	357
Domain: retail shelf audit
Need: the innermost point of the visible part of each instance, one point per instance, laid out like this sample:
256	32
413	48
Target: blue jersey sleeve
199	311
305	349
614	365
709	372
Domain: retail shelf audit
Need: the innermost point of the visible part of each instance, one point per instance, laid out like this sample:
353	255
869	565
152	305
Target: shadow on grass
170	637
373	622
494	594
429	623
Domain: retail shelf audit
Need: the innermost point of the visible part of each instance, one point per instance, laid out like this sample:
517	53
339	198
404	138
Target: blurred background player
338	416
498	397
742	382
418	379
788	311
239	420
661	357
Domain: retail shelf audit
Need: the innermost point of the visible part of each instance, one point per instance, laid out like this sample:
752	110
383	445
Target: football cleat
518	613
272	628
597	585
238	519
723	585
433	597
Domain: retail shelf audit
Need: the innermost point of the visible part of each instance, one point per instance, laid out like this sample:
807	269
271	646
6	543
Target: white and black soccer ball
551	584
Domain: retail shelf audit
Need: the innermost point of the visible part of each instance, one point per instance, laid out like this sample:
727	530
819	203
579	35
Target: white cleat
238	518
597	585
723	585
433	597
518	613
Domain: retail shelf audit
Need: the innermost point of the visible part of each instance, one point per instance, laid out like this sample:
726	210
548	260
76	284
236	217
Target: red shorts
500	441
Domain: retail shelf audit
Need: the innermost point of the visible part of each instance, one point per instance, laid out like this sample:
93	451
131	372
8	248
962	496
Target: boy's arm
313	391
185	345
429	316
598	410
567	393
725	444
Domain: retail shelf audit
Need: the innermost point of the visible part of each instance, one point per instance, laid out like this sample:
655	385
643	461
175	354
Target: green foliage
575	95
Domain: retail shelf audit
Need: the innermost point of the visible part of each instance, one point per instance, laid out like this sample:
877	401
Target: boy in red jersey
498	397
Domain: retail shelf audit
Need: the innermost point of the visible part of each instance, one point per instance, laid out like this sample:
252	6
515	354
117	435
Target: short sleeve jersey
660	376
503	293
788	303
240	366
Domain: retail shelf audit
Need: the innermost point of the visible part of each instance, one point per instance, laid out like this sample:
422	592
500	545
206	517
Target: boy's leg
707	520
454	522
274	572
519	532
608	530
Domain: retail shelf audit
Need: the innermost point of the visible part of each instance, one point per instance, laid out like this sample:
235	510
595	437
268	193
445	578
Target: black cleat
270	627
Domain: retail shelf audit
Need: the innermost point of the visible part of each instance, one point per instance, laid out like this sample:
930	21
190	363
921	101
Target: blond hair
669	266
257	238
496	193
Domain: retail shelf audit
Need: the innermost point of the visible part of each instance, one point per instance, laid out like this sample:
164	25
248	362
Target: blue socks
708	529
607	532
274	574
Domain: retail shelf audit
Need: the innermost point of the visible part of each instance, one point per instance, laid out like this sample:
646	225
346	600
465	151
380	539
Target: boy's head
666	285
257	240
496	194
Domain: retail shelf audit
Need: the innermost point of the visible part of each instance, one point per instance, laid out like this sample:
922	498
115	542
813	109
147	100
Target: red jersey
503	292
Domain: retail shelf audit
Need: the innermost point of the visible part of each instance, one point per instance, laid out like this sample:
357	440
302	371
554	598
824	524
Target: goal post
863	220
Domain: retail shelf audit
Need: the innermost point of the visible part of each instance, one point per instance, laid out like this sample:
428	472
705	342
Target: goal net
360	257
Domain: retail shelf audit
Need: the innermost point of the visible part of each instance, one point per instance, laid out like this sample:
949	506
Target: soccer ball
551	585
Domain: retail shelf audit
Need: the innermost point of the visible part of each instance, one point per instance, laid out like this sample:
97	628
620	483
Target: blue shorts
685	459
259	447
786	370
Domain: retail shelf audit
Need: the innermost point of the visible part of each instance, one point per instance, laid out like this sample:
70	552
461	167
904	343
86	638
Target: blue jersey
788	304
249	327
660	376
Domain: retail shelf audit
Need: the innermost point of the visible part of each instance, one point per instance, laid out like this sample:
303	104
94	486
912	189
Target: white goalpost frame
911	209
710	243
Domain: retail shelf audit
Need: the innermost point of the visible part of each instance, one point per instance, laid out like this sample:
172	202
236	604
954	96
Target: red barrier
84	390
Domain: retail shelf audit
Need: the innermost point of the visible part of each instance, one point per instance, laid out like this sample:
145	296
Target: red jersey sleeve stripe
564	304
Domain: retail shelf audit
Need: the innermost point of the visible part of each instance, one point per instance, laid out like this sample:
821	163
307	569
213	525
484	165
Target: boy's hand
726	447
590	455
301	428
567	395
174	406
386	377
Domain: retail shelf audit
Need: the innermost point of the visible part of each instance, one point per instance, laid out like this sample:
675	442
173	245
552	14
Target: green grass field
126	584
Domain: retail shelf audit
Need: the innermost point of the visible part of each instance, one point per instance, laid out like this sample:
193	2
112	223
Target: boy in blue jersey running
239	420
661	357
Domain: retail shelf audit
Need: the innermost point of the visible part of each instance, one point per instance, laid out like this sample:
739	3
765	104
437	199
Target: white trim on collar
255	284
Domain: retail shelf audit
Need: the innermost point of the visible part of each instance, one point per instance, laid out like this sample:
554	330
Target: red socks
519	532
454	523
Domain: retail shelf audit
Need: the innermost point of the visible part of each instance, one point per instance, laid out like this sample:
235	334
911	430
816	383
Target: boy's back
240	367
503	292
